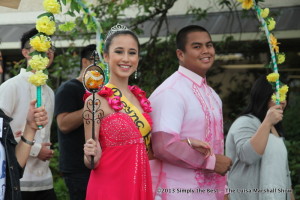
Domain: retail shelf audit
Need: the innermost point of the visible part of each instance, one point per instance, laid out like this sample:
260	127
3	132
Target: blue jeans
76	184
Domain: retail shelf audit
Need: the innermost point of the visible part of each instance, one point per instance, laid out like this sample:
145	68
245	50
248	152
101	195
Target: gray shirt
253	176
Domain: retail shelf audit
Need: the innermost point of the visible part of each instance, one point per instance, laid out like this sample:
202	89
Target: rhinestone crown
116	28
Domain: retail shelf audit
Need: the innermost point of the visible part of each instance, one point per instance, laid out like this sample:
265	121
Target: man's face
199	54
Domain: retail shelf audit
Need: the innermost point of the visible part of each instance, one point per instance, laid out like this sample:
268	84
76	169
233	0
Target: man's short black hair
26	37
181	36
87	52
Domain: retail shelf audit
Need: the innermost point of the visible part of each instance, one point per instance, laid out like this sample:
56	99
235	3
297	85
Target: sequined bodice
118	129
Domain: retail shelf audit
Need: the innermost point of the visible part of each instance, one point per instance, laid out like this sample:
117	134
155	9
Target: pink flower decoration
145	103
137	91
115	103
106	92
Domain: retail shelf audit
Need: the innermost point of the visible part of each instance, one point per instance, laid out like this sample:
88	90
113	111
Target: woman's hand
36	116
274	114
92	148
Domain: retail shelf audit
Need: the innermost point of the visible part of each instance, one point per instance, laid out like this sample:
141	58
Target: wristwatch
27	141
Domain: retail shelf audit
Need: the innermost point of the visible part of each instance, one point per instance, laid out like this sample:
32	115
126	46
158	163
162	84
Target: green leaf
77	7
64	2
85	19
71	13
28	69
48	14
35	53
73	5
46	72
68	26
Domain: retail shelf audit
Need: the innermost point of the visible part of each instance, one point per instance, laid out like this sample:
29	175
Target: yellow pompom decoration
38	79
271	24
52	6
273	77
283	90
45	25
246	4
280	58
264	12
281	98
40	43
274	43
37	62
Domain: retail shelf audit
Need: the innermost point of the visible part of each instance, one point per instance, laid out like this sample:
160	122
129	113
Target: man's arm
69	121
170	148
166	140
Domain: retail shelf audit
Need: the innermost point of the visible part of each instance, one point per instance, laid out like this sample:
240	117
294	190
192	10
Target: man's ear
180	54
106	56
25	53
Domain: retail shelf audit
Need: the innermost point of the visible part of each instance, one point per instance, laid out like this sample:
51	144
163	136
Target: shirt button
11	167
16	188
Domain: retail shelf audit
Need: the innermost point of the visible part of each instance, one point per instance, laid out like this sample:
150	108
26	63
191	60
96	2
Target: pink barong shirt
184	106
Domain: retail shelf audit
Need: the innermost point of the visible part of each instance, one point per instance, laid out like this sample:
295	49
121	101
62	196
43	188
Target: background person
68	112
255	144
16	94
13	155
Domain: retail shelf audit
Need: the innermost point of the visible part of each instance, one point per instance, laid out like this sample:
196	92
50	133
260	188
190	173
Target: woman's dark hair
181	36
260	95
117	33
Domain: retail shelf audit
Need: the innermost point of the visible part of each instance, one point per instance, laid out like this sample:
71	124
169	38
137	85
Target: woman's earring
135	74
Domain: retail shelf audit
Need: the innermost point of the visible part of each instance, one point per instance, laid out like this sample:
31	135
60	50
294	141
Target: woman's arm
35	117
260	138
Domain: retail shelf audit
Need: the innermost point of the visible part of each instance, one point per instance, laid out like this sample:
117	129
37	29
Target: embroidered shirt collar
191	75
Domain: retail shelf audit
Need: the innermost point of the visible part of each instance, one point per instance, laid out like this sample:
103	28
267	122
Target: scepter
93	81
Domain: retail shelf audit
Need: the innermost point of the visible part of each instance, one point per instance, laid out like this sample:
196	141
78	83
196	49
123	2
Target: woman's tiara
116	28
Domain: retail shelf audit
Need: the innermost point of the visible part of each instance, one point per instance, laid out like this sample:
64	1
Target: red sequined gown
123	172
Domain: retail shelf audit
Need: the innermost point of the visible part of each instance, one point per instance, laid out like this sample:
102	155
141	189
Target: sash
137	117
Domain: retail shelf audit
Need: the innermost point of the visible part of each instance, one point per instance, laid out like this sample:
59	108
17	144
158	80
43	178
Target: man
187	120
68	111
16	94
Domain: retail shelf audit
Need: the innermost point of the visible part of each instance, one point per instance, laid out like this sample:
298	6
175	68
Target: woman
255	145
120	151
14	155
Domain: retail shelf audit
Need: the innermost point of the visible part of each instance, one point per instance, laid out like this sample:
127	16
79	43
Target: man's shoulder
17	80
173	82
72	83
173	86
